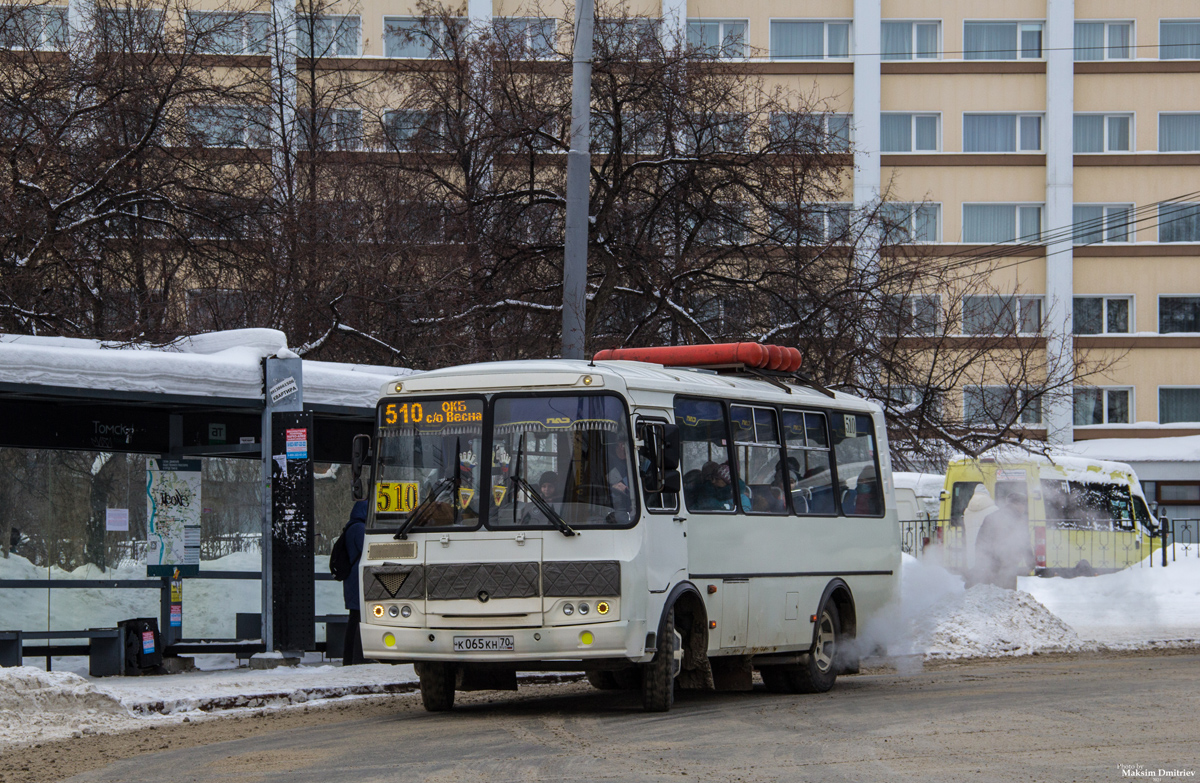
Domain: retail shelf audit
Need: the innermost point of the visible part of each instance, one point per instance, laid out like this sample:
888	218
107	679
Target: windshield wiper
543	506
422	507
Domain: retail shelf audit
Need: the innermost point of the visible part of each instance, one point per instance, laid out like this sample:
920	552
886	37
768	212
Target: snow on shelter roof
224	364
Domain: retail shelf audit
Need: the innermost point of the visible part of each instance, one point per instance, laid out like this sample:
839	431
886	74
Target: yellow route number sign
397	496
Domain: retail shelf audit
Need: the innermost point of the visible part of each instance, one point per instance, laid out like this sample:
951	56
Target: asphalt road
1059	718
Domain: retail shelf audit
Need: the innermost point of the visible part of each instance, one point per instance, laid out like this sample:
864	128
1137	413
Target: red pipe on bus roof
771	357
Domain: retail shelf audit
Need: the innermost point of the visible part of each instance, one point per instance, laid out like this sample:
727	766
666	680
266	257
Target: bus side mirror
672	482
670	446
359	449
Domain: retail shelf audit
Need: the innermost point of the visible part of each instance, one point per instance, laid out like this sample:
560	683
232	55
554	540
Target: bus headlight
406	611
393	611
568	610
602	607
584	609
377	610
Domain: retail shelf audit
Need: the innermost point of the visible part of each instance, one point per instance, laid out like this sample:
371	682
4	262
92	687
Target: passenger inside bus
713	493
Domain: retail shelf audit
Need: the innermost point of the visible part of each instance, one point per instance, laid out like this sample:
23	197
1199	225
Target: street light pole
579	164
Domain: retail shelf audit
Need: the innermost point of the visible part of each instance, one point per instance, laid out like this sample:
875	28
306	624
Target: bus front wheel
437	686
658	676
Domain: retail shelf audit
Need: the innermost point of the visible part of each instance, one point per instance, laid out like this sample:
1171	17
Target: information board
172	517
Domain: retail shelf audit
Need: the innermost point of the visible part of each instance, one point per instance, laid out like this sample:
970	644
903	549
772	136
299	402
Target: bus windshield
572	450
428	453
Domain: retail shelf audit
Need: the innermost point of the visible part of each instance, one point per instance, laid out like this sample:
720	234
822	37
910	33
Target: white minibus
655	526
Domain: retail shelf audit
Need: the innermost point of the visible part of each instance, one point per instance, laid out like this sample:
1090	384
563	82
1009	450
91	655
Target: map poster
172	517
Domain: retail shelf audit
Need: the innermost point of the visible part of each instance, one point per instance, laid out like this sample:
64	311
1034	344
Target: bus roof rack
775	364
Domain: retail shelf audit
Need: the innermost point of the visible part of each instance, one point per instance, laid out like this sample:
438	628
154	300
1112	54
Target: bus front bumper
620	639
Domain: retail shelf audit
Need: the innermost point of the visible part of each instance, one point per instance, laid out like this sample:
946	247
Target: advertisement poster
172	517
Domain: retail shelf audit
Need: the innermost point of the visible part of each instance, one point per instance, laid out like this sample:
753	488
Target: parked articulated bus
655	526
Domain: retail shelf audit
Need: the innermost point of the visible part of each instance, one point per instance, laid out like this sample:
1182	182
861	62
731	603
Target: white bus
656	527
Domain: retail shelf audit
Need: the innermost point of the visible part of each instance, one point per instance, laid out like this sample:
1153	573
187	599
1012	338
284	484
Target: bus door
666	526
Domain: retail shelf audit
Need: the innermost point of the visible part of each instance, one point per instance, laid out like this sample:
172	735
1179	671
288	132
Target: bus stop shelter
239	394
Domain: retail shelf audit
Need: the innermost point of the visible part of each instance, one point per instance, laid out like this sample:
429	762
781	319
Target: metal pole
579	164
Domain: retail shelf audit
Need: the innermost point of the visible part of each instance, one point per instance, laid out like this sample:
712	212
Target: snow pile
989	622
1141	604
936	616
36	705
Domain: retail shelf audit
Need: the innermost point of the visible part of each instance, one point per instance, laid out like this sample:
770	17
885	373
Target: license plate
483	644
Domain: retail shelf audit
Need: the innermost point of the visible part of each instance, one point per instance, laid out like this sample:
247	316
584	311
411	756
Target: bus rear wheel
818	673
437	686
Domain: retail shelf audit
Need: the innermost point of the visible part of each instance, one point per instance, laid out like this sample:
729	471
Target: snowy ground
1131	607
36	705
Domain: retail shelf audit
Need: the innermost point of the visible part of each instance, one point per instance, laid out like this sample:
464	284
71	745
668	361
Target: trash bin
143	645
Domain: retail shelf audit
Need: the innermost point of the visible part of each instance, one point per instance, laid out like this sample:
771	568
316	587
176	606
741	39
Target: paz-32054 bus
656	526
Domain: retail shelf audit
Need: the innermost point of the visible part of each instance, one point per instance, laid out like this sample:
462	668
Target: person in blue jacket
356	531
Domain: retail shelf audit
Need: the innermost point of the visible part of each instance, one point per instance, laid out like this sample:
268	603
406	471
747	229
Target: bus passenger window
854	449
808	473
759	460
704	457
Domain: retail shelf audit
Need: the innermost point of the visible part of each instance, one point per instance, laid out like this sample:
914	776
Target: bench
248	625
105	648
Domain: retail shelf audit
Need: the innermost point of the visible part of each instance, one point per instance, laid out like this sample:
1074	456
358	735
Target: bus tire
603	680
437	686
819	671
658	676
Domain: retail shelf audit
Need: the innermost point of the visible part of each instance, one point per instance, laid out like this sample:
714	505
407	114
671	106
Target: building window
999	405
833	221
723	38
909	223
129	30
798	128
1103	40
1103	132
1002	132
534	38
1179	133
913	314
1178	314
229	126
995	223
911	40
335	129
320	35
230	33
1096	223
1102	314
1178	222
414	37
406	129
1174	493
1178	405
1002	314
1101	406
909	132
1002	40
1179	39
809	40
33	27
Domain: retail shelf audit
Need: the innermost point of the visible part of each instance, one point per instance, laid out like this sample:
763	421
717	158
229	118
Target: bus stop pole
282	391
